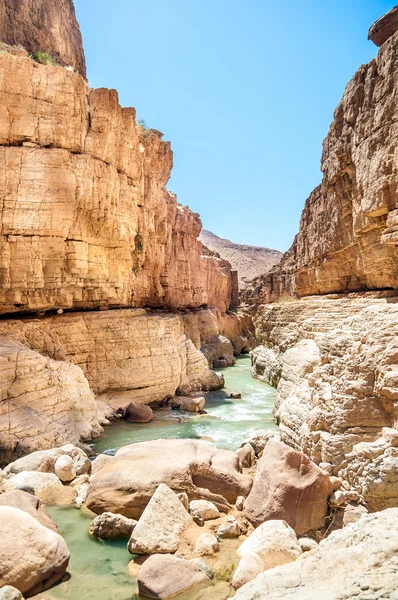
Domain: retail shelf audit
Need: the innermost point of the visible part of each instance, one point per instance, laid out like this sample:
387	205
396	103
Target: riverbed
99	569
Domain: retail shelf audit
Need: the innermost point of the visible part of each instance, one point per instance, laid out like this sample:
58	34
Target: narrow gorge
169	428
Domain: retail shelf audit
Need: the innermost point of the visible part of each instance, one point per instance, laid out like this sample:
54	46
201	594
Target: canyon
112	300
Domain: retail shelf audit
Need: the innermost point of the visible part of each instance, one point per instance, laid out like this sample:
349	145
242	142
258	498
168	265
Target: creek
99	569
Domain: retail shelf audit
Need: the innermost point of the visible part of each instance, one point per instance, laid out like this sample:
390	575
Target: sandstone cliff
349	226
47	26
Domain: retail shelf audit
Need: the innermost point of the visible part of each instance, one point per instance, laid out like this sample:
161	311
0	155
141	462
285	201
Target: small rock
7	592
58	495
336	482
246	455
260	440
307	544
206	544
109	526
82	465
183	498
64	468
240	503
189	403
199	520
235	395
163	576
220	363
203	508
327	467
337	498
138	413
229	529
352	513
230	358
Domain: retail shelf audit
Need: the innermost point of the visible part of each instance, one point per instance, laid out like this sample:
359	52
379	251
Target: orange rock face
48	26
86	219
349	226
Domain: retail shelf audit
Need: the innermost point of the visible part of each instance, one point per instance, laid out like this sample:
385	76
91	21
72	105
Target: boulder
240	503
161	524
307	544
58	495
109	526
248	568
204	509
165	576
138	413
229	529
384	27
42	460
126	482
30	504
33	479
246	455
274	542
260	439
206	544
352	513
220	363
230	358
64	468
32	556
288	486
188	403
235	395
8	592
359	561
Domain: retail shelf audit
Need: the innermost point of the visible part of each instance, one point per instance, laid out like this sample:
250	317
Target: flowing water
99	569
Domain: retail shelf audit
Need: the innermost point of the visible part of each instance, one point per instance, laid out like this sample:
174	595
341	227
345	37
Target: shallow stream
99	569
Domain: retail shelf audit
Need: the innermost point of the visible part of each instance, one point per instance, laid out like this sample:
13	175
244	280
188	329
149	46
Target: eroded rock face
127	482
337	386
348	233
384	27
48	26
360	561
288	486
109	233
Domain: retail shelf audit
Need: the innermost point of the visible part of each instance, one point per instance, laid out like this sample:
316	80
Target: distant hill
249	261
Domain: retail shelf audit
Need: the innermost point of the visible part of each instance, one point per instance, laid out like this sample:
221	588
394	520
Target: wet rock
160	526
230	358
246	455
64	468
220	363
126	482
206	544
109	526
204	509
235	395
165	576
288	486
274	542
30	504
138	413
188	403
229	529
32	556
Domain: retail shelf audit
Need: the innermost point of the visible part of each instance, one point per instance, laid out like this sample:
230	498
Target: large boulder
30	504
204	509
188	403
32	556
126	482
163	576
8	592
274	542
36	480
45	460
109	526
138	413
359	561
288	486
161	524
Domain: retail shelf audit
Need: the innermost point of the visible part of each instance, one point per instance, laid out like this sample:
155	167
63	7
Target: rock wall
86	220
48	26
334	363
348	233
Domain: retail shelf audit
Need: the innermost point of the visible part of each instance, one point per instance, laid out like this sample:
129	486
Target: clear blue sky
244	90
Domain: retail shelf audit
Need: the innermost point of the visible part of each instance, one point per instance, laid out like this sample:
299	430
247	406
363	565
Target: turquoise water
99	569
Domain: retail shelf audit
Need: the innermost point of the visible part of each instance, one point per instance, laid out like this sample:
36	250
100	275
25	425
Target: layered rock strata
47	26
86	220
334	363
348	233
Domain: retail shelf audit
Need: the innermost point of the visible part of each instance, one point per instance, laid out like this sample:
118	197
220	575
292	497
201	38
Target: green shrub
44	58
